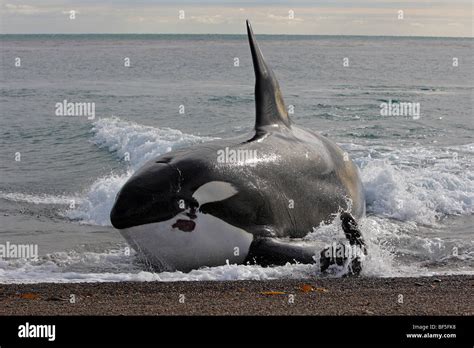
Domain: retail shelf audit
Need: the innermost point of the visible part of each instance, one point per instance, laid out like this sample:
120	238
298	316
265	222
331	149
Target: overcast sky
323	17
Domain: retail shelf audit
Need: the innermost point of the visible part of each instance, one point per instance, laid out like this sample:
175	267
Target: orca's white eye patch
214	191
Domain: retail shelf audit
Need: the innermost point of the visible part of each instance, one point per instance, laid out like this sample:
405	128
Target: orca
239	200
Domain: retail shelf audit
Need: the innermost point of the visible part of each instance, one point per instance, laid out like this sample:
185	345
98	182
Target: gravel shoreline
441	295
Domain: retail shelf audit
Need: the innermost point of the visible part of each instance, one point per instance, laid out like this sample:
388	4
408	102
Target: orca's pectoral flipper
269	104
268	251
338	255
352	232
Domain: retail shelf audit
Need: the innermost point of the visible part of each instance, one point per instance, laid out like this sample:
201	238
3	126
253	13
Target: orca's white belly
212	242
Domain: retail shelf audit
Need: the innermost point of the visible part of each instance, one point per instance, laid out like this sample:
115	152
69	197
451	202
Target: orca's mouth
120	222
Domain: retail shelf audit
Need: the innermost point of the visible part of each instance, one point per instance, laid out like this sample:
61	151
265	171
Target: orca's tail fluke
270	107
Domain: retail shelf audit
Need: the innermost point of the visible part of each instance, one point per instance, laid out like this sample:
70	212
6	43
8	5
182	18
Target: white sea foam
420	185
115	266
39	199
95	206
141	143
67	268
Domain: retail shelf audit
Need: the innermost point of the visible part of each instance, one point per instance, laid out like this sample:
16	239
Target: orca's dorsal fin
269	104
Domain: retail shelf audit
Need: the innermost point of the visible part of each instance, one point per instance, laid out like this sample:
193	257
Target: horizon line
245	35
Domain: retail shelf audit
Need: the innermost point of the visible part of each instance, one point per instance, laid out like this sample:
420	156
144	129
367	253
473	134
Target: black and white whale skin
241	199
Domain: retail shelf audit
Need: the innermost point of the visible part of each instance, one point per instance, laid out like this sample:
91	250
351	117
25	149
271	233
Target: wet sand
444	295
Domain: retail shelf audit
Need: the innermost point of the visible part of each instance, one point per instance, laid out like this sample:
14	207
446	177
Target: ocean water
417	171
